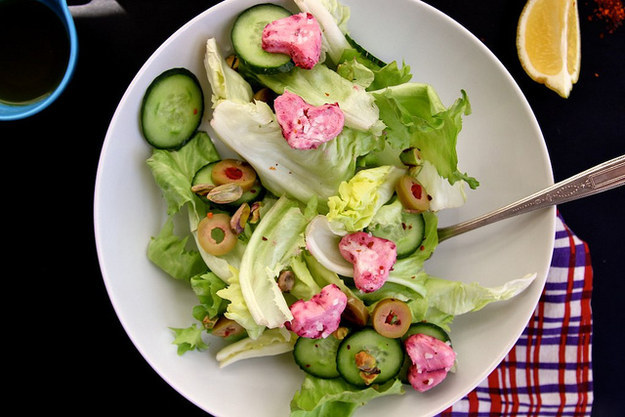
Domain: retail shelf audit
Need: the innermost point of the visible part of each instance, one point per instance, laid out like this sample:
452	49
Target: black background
70	351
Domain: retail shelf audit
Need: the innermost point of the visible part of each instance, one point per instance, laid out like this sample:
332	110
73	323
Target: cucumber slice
204	176
246	36
429	329
407	235
366	55
388	354
172	109
317	356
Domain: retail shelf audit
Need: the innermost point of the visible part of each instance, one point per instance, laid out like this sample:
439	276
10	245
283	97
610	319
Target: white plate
500	144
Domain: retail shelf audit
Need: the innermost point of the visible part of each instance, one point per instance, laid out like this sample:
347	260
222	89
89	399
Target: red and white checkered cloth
549	370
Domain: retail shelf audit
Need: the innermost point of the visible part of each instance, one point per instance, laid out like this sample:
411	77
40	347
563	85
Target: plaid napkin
549	371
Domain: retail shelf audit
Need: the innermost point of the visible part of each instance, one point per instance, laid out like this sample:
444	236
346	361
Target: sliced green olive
226	327
356	312
391	318
411	157
215	235
412	194
233	171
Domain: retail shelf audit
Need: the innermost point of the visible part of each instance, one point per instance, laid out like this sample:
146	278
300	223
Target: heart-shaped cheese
298	36
305	126
373	258
319	316
431	360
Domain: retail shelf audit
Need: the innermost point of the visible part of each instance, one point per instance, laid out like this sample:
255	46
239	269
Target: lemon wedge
548	43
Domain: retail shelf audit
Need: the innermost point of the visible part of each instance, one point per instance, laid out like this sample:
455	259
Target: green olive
226	327
391	318
356	312
412	194
215	235
411	157
229	171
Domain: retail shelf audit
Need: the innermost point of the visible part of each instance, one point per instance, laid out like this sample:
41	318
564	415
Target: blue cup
20	111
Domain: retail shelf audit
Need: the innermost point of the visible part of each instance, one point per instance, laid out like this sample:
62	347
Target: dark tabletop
79	359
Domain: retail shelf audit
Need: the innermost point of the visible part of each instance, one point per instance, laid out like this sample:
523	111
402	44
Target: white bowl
500	144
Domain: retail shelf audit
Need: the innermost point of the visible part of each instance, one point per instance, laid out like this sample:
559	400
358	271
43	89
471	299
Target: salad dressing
34	49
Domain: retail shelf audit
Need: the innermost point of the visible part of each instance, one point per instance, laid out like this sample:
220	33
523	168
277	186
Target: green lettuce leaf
389	75
271	342
173	171
416	117
356	72
324	276
370	75
277	238
225	82
171	254
455	297
189	338
442	193
360	198
305	285
334	397
237	308
205	286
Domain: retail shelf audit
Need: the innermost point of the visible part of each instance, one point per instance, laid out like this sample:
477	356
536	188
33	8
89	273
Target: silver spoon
603	177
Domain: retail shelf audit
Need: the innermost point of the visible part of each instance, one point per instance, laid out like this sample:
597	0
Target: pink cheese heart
431	361
319	316
298	36
372	257
305	126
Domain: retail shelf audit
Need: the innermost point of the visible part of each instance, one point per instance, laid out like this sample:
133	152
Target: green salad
311	237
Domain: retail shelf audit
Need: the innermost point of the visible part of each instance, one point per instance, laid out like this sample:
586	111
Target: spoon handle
603	177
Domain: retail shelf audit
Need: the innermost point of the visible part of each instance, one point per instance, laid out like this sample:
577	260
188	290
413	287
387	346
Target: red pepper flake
264	238
416	190
612	12
194	111
234	173
422	247
272	168
209	215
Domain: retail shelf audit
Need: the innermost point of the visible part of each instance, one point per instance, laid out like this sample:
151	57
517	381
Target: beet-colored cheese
319	316
372	257
431	361
305	126
298	36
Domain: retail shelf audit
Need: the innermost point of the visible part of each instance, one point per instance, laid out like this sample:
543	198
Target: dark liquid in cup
34	51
